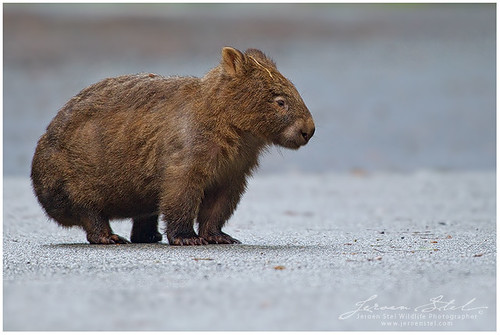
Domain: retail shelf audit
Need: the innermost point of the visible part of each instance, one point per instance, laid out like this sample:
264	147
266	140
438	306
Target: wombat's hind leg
99	231
145	230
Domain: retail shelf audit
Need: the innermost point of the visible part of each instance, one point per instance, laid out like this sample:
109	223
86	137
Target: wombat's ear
232	61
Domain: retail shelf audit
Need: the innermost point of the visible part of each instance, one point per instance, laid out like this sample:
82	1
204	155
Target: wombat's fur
140	146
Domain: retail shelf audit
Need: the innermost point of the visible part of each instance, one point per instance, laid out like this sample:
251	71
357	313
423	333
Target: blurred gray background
391	87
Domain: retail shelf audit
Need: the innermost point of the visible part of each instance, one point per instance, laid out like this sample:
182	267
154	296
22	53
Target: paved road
313	247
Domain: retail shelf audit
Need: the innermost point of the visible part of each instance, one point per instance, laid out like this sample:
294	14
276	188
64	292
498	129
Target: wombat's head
265	103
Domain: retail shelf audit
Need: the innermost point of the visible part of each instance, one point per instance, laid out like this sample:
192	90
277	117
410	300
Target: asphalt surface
313	247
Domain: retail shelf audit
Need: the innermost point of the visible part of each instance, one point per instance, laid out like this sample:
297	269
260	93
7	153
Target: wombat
141	146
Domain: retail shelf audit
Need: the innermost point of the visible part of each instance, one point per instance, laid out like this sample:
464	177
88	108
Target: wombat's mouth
290	144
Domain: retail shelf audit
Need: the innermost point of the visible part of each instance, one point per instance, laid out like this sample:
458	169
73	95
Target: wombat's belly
133	206
117	192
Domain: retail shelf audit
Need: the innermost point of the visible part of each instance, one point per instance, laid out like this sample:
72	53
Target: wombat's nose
308	133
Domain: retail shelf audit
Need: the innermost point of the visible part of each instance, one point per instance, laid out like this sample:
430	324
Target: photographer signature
436	304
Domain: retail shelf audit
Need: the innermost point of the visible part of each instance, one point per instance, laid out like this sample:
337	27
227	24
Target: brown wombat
140	146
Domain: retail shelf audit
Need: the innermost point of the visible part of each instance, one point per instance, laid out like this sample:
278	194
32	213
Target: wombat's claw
188	241
221	238
117	239
111	239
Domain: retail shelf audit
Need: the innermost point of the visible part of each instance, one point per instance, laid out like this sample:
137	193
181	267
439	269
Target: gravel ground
313	247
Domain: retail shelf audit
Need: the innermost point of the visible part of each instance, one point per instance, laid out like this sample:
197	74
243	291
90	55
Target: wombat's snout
298	134
308	132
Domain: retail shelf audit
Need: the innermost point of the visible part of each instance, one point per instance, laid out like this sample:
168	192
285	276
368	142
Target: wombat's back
118	99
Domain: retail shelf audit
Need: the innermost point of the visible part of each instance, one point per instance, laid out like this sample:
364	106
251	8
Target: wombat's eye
281	102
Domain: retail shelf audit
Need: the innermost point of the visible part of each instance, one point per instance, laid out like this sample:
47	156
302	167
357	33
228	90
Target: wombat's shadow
157	246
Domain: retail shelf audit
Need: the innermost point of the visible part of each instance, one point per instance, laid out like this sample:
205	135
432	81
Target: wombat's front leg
179	204
217	206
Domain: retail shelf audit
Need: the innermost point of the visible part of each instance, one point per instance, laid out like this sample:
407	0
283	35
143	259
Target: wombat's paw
156	237
221	238
111	239
192	240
